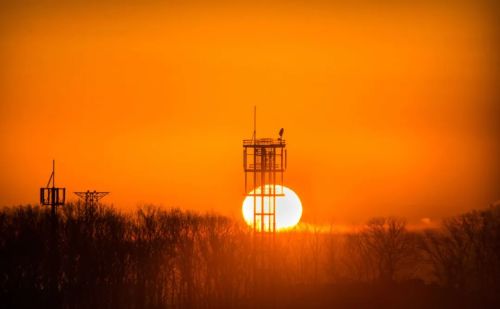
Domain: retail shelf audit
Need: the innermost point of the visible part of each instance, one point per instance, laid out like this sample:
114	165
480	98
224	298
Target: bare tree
465	253
387	246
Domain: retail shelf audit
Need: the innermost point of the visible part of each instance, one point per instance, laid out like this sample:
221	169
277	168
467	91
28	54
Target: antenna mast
254	137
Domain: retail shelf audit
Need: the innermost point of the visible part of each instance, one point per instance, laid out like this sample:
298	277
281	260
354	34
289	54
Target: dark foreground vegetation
97	257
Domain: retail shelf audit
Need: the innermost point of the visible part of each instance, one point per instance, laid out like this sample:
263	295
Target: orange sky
387	110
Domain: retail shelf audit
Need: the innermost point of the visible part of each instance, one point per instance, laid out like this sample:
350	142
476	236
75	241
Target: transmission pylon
91	198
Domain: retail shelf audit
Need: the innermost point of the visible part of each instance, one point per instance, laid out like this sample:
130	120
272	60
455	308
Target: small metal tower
51	195
54	197
264	163
91	198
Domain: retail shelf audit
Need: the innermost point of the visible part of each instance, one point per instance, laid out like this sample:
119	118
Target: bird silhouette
281	133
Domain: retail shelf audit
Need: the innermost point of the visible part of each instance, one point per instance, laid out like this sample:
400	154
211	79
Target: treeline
98	257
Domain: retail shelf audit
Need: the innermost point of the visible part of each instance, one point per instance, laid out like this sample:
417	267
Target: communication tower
54	197
264	163
51	195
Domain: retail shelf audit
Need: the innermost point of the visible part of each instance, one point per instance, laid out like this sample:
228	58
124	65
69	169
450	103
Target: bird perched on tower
281	134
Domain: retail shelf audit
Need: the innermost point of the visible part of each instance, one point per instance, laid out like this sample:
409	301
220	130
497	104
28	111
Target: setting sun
288	207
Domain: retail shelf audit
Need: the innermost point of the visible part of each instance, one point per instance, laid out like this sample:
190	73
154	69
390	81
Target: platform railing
264	142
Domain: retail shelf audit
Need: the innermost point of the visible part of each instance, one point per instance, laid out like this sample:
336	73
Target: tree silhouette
465	253
383	247
158	258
